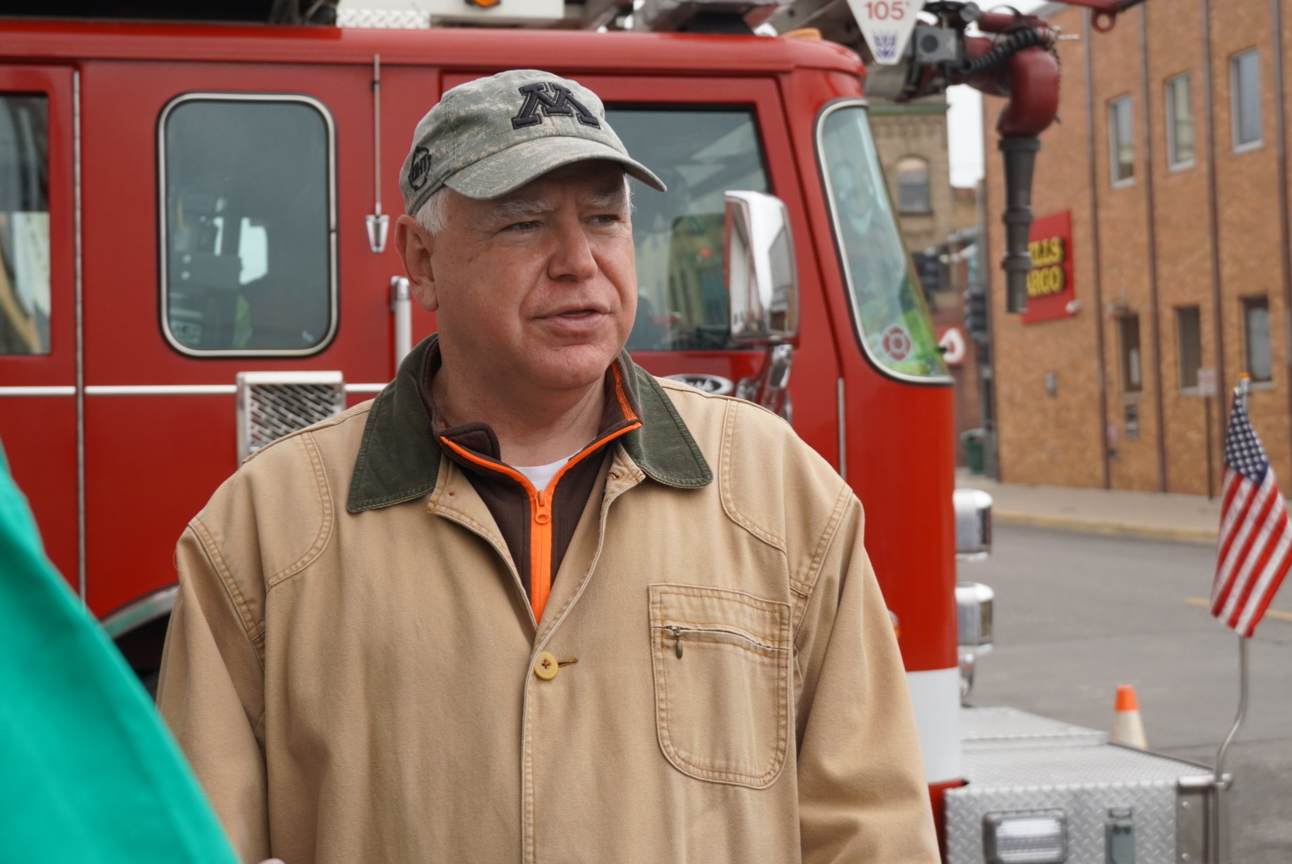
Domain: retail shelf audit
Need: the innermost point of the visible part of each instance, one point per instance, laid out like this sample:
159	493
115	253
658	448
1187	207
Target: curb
1068	523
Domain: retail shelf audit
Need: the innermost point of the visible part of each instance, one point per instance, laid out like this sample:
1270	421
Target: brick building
912	143
1170	163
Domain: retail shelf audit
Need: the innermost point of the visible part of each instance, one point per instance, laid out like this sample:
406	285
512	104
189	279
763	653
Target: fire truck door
225	233
39	300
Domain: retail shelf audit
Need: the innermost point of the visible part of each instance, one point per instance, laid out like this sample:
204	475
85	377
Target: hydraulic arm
1002	53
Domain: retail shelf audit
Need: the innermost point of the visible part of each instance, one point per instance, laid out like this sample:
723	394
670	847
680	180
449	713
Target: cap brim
508	170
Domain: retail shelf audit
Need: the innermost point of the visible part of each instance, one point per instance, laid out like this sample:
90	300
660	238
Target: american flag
1255	532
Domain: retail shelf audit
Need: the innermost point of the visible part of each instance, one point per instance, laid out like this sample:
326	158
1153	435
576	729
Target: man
532	604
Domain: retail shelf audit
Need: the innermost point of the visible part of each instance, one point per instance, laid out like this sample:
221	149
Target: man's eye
522	226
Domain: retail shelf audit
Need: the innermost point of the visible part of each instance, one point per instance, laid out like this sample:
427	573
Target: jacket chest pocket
722	664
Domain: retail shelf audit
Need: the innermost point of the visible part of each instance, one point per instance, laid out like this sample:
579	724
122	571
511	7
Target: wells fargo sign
1049	285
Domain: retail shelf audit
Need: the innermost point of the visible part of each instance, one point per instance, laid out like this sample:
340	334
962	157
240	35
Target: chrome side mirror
758	265
973	524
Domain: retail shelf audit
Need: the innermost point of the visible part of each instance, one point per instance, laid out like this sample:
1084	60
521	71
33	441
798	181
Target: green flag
88	774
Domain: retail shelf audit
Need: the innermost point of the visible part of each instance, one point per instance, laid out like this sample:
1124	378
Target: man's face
537	289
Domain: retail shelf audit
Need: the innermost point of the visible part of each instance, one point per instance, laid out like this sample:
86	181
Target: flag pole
1218	812
1242	708
1219	817
1240	393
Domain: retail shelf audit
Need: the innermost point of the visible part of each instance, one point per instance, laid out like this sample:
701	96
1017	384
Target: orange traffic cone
1128	728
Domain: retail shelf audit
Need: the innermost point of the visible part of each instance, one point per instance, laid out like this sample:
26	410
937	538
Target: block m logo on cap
560	102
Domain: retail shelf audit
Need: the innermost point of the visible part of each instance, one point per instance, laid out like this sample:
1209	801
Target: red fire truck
193	235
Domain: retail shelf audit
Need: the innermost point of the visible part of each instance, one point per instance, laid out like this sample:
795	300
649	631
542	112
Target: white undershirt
541	475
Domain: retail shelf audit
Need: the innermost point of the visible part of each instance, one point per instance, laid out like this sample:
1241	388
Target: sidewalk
1149	514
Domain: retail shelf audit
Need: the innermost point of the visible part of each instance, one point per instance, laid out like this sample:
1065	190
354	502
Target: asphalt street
1079	613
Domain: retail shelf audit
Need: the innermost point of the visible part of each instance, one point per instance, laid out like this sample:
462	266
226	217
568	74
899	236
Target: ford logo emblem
715	384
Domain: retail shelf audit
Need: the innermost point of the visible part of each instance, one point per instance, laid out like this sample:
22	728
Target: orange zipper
540	549
540	515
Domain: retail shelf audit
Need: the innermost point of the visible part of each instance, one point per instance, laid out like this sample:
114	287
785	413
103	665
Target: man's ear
416	247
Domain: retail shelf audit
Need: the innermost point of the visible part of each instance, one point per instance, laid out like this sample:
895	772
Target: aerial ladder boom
912	51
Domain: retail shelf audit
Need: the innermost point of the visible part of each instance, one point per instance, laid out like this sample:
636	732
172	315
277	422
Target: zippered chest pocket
722	661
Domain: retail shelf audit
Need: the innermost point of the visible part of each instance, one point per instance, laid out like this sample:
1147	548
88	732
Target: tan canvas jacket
351	665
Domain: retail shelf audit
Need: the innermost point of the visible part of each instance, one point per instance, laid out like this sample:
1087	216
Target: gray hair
433	215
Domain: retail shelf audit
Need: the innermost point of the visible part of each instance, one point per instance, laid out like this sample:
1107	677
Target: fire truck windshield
699	154
887	304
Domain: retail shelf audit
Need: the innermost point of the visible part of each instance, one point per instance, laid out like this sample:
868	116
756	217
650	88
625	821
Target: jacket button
546	666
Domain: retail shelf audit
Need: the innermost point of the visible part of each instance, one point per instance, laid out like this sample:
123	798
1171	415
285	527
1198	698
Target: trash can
972	440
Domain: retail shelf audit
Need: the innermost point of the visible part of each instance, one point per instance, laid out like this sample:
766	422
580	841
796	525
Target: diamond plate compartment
1015	761
995	728
274	404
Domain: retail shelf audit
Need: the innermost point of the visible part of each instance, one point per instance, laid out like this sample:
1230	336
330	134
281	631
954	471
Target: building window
1121	143
1188	332
1179	122
1132	370
1256	338
913	185
1245	97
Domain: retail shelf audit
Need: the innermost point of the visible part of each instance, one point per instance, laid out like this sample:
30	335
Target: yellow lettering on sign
1044	281
1046	253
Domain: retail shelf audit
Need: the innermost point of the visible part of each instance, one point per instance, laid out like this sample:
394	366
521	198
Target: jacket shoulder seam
253	630
324	532
805	582
725	474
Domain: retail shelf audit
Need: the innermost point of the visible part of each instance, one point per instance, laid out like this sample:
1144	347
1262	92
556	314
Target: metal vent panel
271	405
390	19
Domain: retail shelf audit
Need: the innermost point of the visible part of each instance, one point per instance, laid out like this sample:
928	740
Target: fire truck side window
887	303
682	300
24	224
248	240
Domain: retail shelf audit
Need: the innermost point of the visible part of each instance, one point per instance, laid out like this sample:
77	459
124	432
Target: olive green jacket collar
399	457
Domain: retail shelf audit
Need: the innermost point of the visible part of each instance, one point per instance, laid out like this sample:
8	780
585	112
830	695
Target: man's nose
572	259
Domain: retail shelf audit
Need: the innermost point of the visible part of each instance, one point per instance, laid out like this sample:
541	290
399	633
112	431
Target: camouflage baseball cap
491	136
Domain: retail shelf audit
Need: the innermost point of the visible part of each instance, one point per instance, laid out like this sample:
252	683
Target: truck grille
274	404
